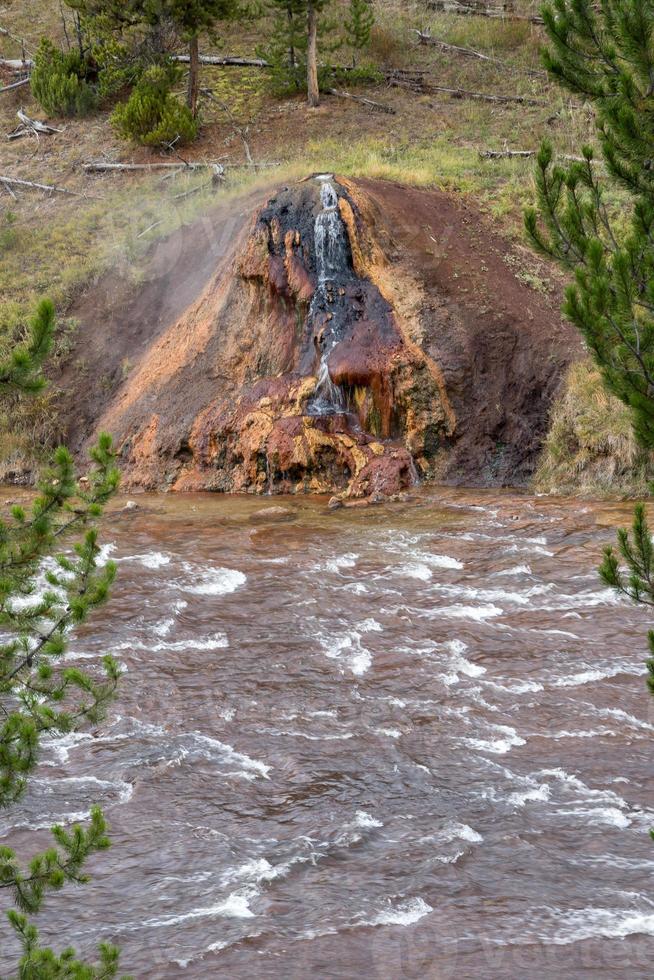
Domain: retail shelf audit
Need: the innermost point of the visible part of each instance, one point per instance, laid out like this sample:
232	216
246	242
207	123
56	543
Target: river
411	740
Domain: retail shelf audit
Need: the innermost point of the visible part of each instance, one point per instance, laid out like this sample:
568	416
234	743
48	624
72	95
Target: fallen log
424	37
101	166
31	127
461	93
17	64
370	103
226	62
21	81
525	155
33	185
471	9
229	61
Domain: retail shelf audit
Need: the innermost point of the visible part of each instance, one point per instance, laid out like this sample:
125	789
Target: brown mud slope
351	336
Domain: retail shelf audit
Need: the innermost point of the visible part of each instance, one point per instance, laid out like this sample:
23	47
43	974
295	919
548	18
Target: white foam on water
314	738
230	754
64	745
459	663
494	595
257	870
591	674
62	819
593	806
370	626
507	740
235	906
164	627
532	549
515	687
539	794
476	613
106	550
213	581
357	588
438	561
609	923
217	641
125	790
405	913
597	815
562	927
151	559
416	570
363	819
388	732
585	600
623	716
334	565
516	570
583	733
349	651
462	831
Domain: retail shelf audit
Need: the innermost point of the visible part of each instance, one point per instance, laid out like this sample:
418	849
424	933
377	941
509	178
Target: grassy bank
590	449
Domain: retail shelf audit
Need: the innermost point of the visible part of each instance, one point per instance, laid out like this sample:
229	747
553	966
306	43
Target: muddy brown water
402	741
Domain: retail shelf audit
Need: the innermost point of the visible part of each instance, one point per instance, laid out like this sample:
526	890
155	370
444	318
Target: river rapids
411	740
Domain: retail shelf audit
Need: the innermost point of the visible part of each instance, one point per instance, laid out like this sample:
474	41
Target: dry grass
590	448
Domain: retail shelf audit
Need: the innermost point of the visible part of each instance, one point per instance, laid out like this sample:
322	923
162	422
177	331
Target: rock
129	506
361	502
221	397
273	514
377	498
334	503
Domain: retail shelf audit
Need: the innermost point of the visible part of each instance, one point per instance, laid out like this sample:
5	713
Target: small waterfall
332	264
330	237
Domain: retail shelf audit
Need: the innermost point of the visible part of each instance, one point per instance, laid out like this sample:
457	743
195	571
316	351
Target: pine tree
286	50
300	27
43	596
191	17
604	52
359	24
152	115
188	17
58	81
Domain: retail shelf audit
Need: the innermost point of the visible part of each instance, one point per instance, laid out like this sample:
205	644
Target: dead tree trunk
193	75
313	92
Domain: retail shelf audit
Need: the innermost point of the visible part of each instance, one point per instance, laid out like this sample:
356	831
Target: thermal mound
349	337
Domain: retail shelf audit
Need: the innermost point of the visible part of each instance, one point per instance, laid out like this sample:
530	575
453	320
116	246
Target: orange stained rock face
433	365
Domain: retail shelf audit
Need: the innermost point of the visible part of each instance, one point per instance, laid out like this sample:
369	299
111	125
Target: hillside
58	244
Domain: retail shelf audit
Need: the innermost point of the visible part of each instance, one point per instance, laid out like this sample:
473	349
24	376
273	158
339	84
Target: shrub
59	81
152	115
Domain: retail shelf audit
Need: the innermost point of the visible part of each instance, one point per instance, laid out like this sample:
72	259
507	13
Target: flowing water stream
333	268
411	740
